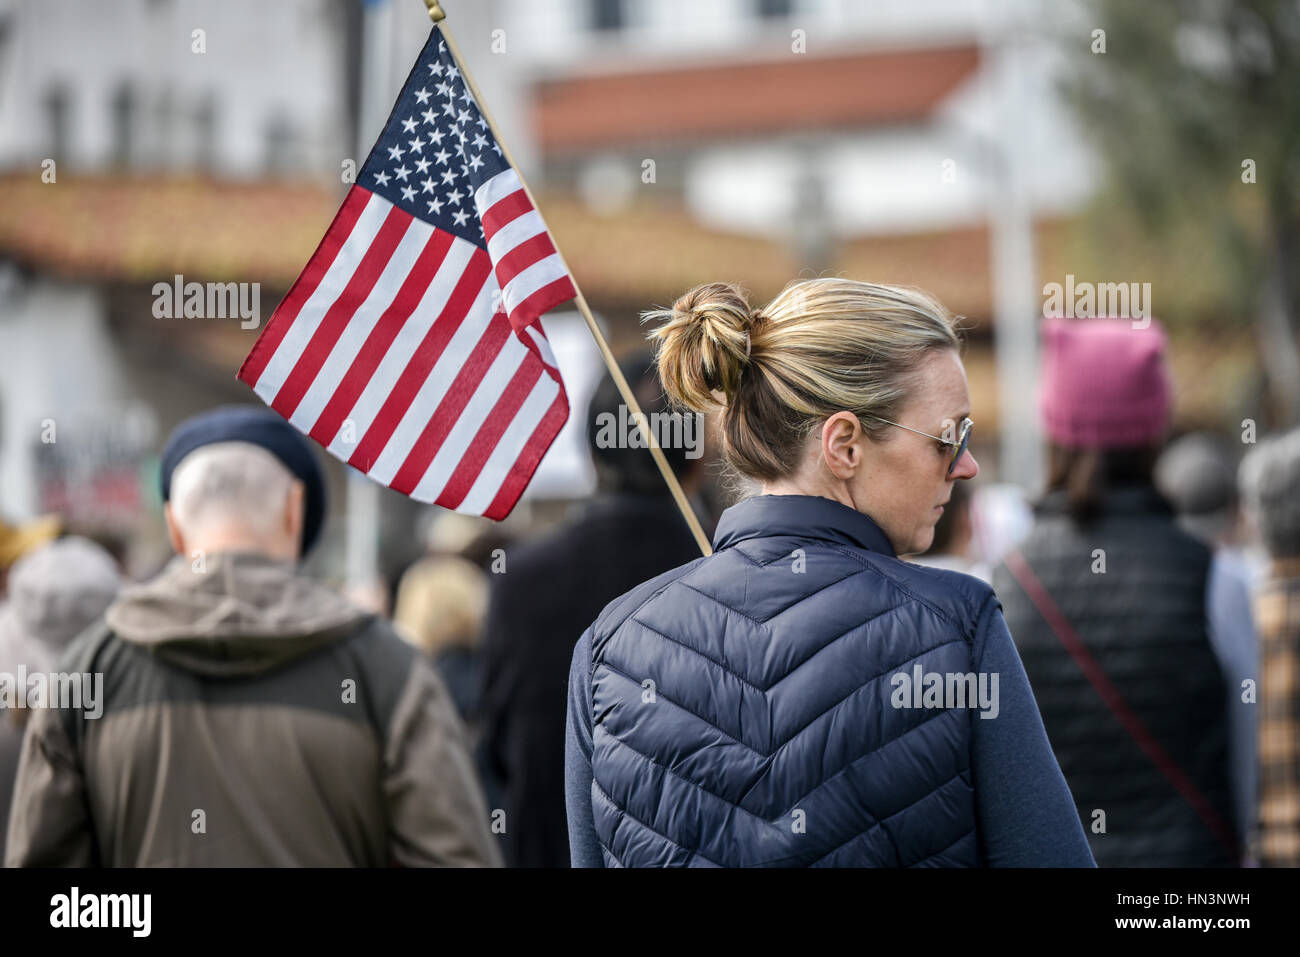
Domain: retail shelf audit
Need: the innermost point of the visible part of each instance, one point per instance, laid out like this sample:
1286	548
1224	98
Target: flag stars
444	90
435	206
442	156
436	136
455	196
465	96
382	178
423	96
416	145
401	173
408	193
480	141
422	166
449	108
409	124
428	185
435	69
448	178
395	152
429	117
476	162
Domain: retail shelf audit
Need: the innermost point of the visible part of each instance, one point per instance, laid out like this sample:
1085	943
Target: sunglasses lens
961	447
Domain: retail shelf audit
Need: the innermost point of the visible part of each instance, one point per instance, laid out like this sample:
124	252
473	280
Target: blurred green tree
1195	108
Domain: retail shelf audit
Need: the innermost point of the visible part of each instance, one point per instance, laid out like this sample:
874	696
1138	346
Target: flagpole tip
435	10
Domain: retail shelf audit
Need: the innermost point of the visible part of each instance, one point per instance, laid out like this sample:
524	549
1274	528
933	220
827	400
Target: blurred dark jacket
1143	620
305	731
550	592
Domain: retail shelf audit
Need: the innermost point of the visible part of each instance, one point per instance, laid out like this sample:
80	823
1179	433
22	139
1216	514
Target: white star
442	156
448	177
449	108
409	123
382	178
428	185
476	162
422	95
444	89
436	136
455	196
417	145
435	206
408	193
460	217
422	166
401	173
463	117
466	97
453	72
429	116
395	152
435	69
482	123
480	140
497	148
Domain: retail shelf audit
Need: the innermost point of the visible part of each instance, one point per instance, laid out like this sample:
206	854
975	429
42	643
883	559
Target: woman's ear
842	438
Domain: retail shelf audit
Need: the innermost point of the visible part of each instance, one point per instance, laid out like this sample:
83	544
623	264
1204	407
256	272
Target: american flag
411	346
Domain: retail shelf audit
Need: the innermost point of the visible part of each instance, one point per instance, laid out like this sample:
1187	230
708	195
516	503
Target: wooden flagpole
437	15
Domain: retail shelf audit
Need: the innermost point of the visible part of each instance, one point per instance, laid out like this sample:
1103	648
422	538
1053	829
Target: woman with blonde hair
803	696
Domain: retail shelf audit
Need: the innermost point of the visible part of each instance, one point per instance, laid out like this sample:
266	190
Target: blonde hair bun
704	344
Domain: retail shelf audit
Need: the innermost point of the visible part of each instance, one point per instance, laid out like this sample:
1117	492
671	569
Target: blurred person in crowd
1107	600
252	717
1270	476
763	705
1199	478
550	590
17	540
954	538
56	591
441	601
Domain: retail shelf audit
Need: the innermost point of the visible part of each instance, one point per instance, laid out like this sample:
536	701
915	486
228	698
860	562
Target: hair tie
747	345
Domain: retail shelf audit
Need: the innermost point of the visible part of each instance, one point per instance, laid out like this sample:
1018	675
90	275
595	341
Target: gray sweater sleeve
584	847
1027	816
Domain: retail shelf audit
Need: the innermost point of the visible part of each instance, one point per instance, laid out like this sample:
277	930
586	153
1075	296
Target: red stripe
521	472
490	432
1108	693
422	361
452	405
530	251
504	210
341	311
372	351
549	296
303	287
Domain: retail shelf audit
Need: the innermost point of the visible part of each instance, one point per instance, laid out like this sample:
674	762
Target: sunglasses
957	447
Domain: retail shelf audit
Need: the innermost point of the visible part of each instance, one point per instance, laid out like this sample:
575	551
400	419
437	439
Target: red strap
1113	700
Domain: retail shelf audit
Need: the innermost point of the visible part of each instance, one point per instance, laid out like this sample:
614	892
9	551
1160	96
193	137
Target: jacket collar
806	516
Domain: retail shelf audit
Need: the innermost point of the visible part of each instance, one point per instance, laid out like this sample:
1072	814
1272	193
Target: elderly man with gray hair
252	717
1270	477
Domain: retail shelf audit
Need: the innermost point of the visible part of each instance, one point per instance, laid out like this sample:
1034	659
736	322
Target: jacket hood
801	516
240	613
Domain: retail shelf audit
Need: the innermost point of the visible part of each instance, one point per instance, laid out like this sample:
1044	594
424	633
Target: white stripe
398	357
471	419
518	230
331	286
543	346
434	388
532	279
507	451
360	325
496	189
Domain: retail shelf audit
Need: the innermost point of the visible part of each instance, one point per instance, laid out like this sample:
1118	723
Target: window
608	15
772	9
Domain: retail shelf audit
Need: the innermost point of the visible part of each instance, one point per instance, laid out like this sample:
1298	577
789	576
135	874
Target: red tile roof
752	98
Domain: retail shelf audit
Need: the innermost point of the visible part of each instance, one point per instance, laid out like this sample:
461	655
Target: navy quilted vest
742	711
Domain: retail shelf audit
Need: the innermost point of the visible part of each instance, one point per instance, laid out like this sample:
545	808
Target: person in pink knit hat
1106	599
